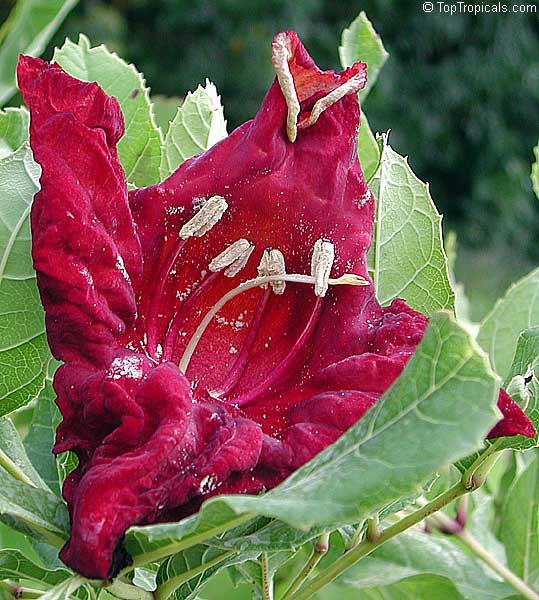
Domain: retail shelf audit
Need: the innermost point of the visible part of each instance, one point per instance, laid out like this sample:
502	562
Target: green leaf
27	30
414	553
264	536
63	590
32	510
519	529
367	149
516	311
535	171
40	438
522	384
481	522
126	591
444	400
11	447
216	519
184	575
250	571
360	42
14	124
165	109
145	579
24	353
14	565
422	587
198	125
140	147
407	255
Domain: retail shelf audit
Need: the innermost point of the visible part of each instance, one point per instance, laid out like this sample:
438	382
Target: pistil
347	279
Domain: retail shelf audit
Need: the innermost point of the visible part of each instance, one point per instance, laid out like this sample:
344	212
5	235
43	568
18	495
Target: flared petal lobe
84	246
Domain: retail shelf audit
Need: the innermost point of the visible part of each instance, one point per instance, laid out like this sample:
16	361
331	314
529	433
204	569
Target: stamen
278	371
321	263
280	55
234	258
272	263
352	86
209	215
347	279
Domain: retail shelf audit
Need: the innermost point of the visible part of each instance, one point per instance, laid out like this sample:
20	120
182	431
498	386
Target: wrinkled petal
183	450
279	373
514	422
85	250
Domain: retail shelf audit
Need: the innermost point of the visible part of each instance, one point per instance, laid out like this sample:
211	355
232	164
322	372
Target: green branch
170	549
166	589
267	580
443	522
321	546
472	479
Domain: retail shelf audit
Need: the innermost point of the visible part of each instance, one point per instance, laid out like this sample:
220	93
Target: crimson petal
274	378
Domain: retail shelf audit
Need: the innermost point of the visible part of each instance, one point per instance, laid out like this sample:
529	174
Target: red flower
267	379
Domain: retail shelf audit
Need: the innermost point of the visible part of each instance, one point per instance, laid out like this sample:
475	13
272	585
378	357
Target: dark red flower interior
276	376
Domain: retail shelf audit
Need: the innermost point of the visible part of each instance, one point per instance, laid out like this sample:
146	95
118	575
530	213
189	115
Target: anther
280	55
233	258
208	215
352	86
272	263
321	263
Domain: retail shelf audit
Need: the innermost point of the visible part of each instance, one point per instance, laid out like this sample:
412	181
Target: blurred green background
460	94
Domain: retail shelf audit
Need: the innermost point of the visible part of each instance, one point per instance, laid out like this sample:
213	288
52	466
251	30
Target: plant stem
366	547
321	546
444	523
14	470
171	585
128	591
164	551
513	580
373	528
472	479
267	580
477	472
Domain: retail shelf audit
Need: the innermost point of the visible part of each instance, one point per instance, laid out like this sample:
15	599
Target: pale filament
352	86
280	55
347	279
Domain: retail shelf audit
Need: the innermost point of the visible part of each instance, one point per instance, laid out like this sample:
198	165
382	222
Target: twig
320	548
472	479
267	580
